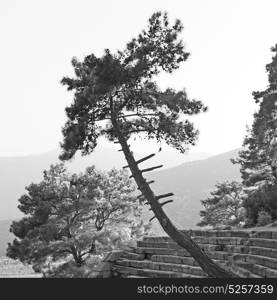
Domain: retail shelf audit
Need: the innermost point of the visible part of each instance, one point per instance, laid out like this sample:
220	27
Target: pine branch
164	203
164	196
152	219
148	170
168	201
141	160
145	158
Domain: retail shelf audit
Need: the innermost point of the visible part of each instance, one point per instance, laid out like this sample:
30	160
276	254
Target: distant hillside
18	172
191	182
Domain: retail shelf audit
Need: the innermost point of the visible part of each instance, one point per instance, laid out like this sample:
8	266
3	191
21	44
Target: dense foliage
258	159
224	206
121	86
258	166
70	216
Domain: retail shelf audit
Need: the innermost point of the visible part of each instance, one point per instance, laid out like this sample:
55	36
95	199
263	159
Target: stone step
134	276
157	239
220	240
218	233
242	272
259	270
265	234
219	255
256	259
147	251
202	234
235	249
129	271
263	251
174	246
169	267
262	260
161	251
239	257
132	255
189	261
169	245
265	243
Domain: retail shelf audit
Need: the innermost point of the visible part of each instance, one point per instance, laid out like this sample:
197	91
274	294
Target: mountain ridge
18	172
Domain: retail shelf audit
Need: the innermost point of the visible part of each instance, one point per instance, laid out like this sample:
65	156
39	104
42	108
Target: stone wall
246	253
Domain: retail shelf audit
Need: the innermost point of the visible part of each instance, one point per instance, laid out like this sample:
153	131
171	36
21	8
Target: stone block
273	253
274	235
263	234
154	266
134	256
211	233
260	251
197	271
271	273
176	268
260	270
202	240
240	233
265	243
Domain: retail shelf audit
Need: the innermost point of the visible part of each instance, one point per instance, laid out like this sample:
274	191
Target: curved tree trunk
182	239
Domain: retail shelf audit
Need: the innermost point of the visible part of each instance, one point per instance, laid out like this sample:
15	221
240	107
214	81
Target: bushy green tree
224	206
262	199
258	159
67	213
264	218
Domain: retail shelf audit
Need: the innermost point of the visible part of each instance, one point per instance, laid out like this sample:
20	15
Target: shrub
264	218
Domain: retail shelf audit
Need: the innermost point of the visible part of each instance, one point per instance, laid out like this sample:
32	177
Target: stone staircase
248	254
261	258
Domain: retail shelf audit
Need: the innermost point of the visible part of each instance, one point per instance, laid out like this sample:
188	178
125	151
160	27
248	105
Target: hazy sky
229	42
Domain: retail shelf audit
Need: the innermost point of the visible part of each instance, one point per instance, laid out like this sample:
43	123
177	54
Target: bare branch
164	196
141	160
148	170
152	168
152	219
145	158
168	201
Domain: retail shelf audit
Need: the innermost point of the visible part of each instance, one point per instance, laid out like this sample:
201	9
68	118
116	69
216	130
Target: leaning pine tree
115	96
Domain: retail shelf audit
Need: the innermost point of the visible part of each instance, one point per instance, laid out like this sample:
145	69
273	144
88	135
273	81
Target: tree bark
182	239
77	258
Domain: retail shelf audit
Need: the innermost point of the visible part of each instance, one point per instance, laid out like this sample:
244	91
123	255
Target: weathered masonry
246	253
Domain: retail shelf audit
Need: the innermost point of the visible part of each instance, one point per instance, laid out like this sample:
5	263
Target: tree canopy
67	214
121	85
224	206
258	159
